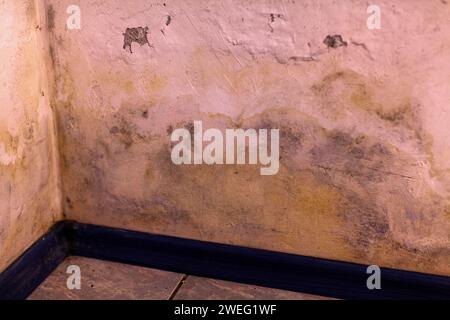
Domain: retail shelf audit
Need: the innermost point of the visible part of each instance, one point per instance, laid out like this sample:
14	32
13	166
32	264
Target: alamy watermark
74	19
374	280
374	20
74	280
190	148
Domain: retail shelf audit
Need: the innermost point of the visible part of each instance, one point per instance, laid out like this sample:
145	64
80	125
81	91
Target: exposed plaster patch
334	41
138	35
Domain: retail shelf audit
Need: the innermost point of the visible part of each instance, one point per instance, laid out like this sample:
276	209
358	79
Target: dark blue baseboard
23	276
252	266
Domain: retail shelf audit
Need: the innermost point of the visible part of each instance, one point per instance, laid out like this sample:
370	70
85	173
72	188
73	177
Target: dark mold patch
169	20
272	18
368	222
139	35
125	130
346	90
50	18
405	115
349	77
114	130
334	41
169	130
125	136
341	138
360	158
189	125
69	202
395	116
292	134
53	57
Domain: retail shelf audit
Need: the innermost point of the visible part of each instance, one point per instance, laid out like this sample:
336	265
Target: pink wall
364	173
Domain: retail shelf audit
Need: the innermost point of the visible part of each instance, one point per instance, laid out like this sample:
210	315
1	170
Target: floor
102	280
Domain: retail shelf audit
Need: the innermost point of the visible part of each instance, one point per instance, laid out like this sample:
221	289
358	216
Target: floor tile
196	288
109	281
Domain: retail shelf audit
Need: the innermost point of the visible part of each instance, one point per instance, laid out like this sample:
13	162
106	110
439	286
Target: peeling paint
138	35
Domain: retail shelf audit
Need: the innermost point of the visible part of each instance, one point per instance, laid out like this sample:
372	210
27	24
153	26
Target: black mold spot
52	55
124	135
114	130
145	114
169	20
360	139
138	35
125	131
379	149
272	17
362	160
357	153
190	126
50	18
341	138
69	202
394	116
169	130
369	222
334	41
291	138
28	133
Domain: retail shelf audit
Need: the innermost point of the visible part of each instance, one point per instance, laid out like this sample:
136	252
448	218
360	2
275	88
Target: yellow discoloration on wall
346	89
341	193
29	191
154	82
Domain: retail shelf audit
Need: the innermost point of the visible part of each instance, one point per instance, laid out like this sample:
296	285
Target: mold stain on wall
29	202
355	178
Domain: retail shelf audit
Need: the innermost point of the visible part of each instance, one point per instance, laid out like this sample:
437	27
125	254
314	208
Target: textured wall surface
364	127
29	191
